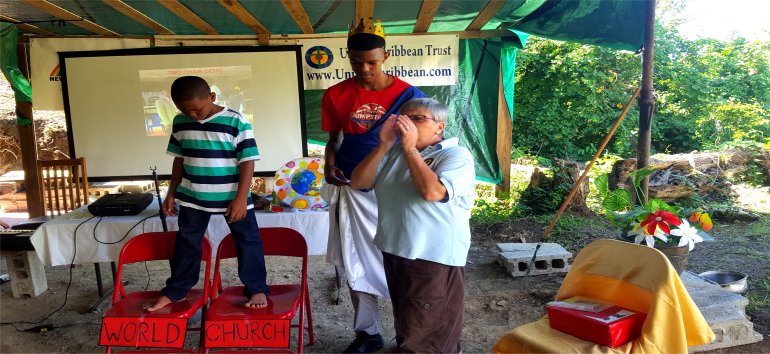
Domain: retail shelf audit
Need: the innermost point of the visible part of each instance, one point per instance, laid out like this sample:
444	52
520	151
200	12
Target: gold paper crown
369	25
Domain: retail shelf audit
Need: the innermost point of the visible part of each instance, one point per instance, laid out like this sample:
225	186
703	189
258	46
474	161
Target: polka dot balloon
298	183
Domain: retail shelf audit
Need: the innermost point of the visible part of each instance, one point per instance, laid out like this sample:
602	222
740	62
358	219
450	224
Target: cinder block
27	274
516	258
103	188
137	187
724	312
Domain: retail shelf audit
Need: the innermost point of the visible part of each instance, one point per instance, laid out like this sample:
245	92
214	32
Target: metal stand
100	287
157	194
339	283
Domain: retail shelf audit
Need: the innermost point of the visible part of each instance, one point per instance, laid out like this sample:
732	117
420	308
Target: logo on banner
55	74
319	57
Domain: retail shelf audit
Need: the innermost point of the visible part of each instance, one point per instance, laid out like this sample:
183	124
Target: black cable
66	291
69	283
124	236
146	268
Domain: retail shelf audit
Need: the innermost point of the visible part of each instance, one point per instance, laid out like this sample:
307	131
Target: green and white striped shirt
212	150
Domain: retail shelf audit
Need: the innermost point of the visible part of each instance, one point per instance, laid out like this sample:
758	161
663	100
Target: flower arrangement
655	222
666	227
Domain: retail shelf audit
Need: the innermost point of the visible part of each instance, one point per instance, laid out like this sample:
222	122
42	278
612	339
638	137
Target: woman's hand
389	132
408	132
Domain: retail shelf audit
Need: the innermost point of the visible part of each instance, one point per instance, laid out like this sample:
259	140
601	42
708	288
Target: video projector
120	204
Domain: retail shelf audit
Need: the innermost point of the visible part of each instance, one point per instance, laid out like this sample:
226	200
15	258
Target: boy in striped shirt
214	152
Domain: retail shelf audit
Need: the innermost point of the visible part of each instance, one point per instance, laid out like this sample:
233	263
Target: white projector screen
118	117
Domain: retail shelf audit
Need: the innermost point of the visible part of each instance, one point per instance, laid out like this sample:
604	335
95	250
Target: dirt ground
495	301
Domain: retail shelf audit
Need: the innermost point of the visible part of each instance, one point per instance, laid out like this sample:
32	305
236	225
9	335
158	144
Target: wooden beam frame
487	13
70	17
425	17
364	9
137	16
461	34
27	27
298	13
244	16
186	14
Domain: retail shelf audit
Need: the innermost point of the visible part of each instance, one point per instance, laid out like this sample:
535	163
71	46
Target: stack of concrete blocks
137	187
725	312
516	258
27	273
100	189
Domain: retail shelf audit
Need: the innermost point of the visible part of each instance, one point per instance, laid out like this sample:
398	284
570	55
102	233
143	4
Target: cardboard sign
143	332
248	333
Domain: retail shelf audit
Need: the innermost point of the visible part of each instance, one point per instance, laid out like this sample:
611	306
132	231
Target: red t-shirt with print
348	107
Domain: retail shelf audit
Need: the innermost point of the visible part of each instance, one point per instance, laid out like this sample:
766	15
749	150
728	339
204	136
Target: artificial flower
688	235
703	218
659	221
641	234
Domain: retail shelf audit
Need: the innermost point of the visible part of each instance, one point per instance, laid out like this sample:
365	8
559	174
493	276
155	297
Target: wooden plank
427	12
244	16
137	16
284	38
70	17
461	34
26	27
364	9
504	133
487	13
186	14
298	13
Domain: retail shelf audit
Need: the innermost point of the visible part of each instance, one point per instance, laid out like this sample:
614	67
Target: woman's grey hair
436	108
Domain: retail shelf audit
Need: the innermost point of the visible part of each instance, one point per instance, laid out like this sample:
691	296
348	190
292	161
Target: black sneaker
365	343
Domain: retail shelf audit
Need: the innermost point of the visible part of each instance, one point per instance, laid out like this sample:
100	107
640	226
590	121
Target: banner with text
44	61
427	60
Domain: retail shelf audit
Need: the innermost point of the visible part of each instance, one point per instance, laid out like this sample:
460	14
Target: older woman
424	188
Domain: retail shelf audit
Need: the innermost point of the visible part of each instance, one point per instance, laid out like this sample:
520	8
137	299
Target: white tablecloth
55	242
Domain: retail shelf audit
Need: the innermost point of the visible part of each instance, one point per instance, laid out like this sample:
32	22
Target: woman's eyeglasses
420	118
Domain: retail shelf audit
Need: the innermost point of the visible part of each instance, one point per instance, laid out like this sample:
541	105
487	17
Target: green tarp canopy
617	24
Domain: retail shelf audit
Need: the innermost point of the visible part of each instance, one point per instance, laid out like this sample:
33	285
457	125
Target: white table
55	240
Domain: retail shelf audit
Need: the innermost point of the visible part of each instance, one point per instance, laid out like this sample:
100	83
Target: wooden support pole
28	143
591	164
504	127
647	99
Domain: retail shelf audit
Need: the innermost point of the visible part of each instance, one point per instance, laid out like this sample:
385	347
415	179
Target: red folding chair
127	324
228	324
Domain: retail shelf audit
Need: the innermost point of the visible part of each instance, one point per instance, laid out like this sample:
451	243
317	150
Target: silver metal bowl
735	282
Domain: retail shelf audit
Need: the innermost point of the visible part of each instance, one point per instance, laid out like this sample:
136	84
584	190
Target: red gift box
611	326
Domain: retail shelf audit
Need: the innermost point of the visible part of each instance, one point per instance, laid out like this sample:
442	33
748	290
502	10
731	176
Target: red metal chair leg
309	328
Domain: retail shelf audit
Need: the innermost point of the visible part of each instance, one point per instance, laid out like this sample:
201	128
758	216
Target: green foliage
599	186
708	93
568	95
574	232
491	210
547	197
760	299
758	230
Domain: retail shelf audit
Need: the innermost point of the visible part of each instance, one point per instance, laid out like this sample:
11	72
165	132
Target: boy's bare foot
159	304
256	301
